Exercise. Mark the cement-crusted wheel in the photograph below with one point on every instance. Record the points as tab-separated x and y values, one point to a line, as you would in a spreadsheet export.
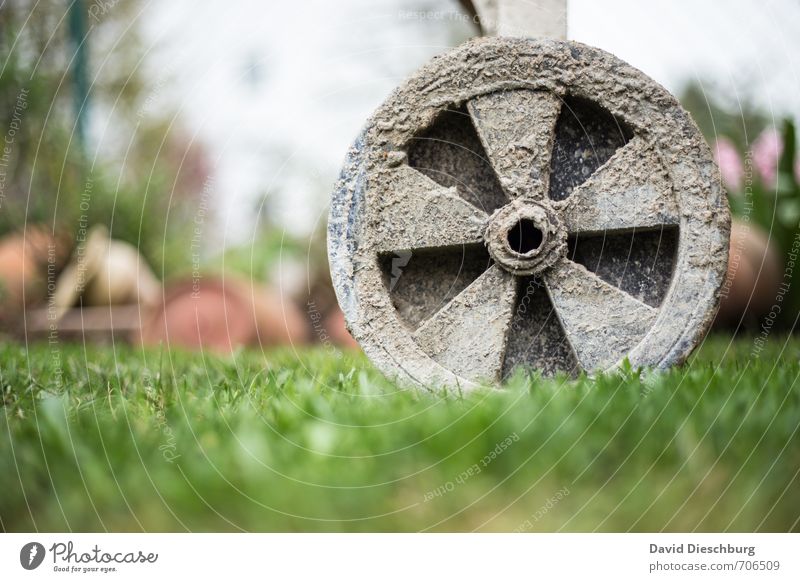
527	203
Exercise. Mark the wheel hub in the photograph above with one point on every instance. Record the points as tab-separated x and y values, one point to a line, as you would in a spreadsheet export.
526	237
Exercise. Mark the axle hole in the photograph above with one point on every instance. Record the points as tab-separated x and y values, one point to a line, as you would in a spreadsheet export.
524	237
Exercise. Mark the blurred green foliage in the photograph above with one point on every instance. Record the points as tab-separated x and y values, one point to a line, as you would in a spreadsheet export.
139	189
742	125
772	203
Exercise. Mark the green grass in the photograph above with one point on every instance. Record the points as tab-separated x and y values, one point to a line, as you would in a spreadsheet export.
120	439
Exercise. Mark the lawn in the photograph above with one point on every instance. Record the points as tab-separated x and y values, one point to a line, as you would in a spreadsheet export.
116	438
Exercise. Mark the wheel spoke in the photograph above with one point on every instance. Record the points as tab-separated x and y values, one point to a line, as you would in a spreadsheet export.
419	213
629	192
602	322
469	334
517	129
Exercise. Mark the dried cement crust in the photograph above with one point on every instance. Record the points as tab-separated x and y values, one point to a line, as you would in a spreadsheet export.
386	209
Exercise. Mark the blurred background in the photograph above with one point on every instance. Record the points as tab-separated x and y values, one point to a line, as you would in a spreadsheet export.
165	167
165	173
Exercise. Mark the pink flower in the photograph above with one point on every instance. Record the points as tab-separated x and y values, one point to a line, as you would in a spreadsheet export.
767	150
730	164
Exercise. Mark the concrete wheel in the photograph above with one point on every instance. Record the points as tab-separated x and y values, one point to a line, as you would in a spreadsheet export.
527	203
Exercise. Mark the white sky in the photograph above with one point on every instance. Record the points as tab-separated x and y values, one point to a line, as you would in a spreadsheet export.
279	89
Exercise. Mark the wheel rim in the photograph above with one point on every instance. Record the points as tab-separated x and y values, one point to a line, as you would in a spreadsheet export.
438	266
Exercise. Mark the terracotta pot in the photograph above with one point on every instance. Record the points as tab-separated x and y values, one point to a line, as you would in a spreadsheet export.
222	314
337	330
104	271
25	258
754	274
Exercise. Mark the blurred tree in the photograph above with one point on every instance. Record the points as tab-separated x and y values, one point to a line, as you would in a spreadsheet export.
136	174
